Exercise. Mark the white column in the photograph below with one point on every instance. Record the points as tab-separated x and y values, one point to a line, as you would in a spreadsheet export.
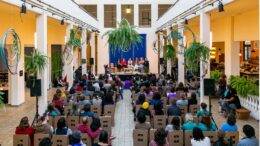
41	31
161	52
84	51
169	61
154	16
118	12
181	70
232	50
136	14
205	39
69	67
92	44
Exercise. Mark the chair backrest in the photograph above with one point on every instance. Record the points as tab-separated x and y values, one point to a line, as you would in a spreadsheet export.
234	136
151	134
106	123
86	139
51	120
194	108
175	138
188	137
159	122
109	110
196	120
171	117
96	109
38	137
212	135
73	122
140	137
60	140
21	140
67	109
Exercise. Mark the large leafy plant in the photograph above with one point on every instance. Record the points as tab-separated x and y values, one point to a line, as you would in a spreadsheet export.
215	75
74	40
123	38
243	86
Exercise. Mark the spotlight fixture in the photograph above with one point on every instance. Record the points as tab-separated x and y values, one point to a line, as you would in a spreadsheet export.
62	21
128	10
23	8
186	21
220	7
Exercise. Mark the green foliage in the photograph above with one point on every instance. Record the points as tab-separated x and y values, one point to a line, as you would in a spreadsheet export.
194	54
243	86
123	37
170	52
74	40
2	104
35	63
215	75
56	65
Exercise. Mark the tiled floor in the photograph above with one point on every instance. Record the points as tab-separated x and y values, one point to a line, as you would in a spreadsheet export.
123	119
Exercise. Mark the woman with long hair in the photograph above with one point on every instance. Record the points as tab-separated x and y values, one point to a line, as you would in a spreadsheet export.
198	138
159	138
94	130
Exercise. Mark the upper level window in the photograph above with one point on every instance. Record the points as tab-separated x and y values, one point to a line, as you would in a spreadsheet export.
109	16
127	11
91	9
145	15
162	9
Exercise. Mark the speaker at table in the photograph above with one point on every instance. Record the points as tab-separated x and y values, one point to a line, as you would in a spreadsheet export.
209	87
36	89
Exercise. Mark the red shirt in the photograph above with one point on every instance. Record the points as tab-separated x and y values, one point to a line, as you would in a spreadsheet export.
27	131
123	62
93	134
83	128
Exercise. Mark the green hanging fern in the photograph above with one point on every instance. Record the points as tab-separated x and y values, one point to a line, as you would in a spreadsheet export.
2	104
74	40
194	54
170	52
124	37
215	75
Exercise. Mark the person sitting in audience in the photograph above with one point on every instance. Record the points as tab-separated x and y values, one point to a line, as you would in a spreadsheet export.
181	88
189	124
25	128
206	124
103	139
83	101
156	99
171	95
159	138
58	102
142	124
86	111
148	91
174	110
193	99
174	125
74	110
203	110
75	139
46	141
43	126
221	139
86	92
140	100
52	111
158	109
80	87
145	109
84	126
182	102
107	100
198	138
230	125
249	139
94	130
62	129
97	100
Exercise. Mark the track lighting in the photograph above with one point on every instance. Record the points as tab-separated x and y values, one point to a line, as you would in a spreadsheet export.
62	22
186	21
220	7
23	8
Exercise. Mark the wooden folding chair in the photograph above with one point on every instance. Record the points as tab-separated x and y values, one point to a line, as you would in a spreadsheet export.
151	134
73	122
51	121
86	139
171	117
188	137
140	137
106	123
96	109
38	137
184	110
109	110
21	140
60	140
196	120
55	121
159	122
175	138
212	135
194	109
234	136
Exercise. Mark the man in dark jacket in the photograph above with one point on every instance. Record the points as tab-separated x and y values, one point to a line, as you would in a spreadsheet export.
174	110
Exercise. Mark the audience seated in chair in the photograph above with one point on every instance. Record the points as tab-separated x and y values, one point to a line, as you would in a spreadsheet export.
156	99
142	124
193	99
203	110
249	139
158	109
230	125
171	95
206	124
86	111
43	127
198	138
52	111
174	125
221	139
94	130
83	128
174	110
145	109
62	129
189	124
160	136
103	139
45	142
25	128
183	101
83	101
75	139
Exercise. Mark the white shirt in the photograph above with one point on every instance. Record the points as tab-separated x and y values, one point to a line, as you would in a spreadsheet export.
204	142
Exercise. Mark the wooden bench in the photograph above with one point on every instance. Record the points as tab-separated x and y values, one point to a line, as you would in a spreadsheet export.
243	113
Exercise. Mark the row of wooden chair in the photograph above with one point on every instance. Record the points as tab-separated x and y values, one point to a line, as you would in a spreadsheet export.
178	138
57	140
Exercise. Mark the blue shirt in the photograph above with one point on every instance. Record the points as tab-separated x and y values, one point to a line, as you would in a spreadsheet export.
88	114
227	128
203	127
248	142
202	112
188	126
